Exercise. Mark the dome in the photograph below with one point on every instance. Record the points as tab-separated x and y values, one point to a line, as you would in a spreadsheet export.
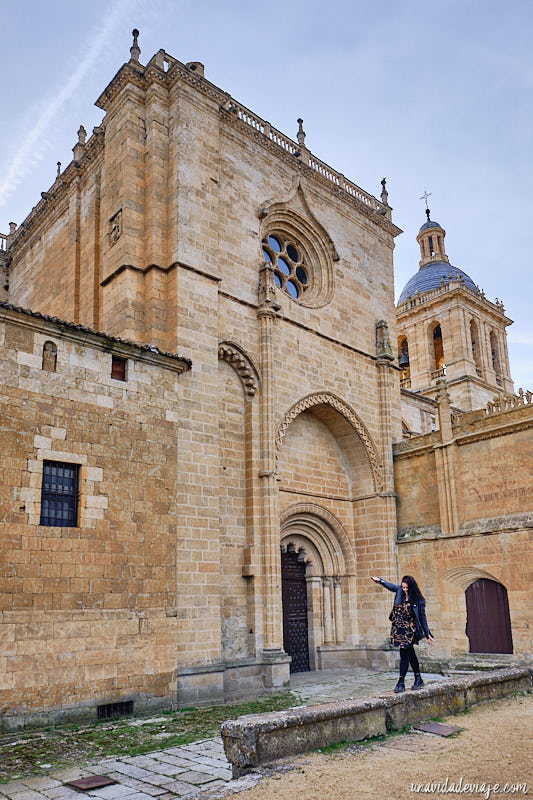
430	224
430	276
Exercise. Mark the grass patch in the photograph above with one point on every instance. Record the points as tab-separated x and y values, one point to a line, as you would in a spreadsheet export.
37	753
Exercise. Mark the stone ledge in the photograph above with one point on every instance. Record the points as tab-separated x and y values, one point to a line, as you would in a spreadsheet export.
259	738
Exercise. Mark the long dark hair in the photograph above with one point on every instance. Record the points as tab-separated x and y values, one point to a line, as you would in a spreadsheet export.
413	592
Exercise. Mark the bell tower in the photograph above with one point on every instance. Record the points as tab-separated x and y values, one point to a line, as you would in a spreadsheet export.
447	328
431	240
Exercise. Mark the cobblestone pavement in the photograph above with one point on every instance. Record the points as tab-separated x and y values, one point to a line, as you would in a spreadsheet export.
198	770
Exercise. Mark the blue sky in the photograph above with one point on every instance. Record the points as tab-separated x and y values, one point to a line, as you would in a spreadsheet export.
429	94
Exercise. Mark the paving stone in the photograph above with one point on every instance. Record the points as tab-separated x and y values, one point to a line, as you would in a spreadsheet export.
179	761
140	786
159	767
138	761
70	774
130	769
180	789
61	793
29	794
212	762
39	782
160	780
197	778
140	796
216	772
10	788
112	792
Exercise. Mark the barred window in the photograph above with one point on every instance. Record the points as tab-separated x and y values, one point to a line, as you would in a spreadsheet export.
59	495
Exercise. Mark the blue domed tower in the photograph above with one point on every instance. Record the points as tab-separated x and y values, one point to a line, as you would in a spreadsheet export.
447	328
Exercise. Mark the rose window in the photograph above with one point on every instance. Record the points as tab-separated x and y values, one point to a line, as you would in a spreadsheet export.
287	258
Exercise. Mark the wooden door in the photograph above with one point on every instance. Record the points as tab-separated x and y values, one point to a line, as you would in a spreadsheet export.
488	623
294	598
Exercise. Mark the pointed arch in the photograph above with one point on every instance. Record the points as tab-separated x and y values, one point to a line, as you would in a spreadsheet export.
329	399
243	365
463	577
324	531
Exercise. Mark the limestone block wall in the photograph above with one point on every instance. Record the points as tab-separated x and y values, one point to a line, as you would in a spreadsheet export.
419	414
465	512
168	204
87	613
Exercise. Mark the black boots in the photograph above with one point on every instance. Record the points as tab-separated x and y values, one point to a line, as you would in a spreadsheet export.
418	681
400	686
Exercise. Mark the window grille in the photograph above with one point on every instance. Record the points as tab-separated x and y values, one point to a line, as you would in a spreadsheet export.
59	495
111	710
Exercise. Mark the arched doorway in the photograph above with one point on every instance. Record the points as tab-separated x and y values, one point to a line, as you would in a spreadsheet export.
317	567
488	622
294	600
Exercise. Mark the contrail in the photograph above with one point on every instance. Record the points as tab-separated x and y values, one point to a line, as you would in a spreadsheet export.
26	156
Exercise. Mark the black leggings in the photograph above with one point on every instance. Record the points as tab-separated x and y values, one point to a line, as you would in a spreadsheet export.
408	656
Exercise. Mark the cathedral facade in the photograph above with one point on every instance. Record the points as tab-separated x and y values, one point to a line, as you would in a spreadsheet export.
200	398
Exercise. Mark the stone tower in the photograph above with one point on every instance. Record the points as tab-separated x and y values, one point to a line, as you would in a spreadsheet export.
448	328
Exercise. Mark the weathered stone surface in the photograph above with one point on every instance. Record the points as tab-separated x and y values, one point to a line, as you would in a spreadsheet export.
259	738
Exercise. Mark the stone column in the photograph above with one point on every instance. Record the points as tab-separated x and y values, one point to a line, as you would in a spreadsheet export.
386	382
266	314
445	464
328	626
339	622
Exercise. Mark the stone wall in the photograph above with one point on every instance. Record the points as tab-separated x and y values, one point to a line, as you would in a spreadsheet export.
465	512
87	613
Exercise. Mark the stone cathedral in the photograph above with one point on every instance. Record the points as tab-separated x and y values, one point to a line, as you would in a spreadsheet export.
216	424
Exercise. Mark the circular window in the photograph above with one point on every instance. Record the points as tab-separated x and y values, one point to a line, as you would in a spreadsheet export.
290	271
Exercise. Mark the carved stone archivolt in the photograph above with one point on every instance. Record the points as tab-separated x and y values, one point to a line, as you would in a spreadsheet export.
325	535
242	364
326	398
463	577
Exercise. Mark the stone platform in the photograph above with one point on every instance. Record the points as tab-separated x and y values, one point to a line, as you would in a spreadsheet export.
260	738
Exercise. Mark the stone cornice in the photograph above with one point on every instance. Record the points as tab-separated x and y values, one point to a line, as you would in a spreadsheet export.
75	332
59	190
145	270
417	396
178	72
142	77
308	172
421	445
494	431
480	527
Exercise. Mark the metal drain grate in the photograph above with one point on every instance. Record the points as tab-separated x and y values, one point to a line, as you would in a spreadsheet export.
91	782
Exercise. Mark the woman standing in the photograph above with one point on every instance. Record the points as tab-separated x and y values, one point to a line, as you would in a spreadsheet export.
409	625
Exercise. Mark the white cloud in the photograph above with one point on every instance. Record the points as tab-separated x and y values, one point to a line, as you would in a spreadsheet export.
34	146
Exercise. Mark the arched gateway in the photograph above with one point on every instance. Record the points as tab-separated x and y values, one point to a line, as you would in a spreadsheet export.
330	481
317	567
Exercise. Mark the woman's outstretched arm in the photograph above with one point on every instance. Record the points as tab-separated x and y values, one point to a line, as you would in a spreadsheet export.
393	587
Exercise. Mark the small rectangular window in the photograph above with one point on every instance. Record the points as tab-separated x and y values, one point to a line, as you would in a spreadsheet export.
118	368
111	710
59	494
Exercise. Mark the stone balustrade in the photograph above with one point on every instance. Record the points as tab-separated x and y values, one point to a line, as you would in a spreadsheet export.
339	180
417	298
508	402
